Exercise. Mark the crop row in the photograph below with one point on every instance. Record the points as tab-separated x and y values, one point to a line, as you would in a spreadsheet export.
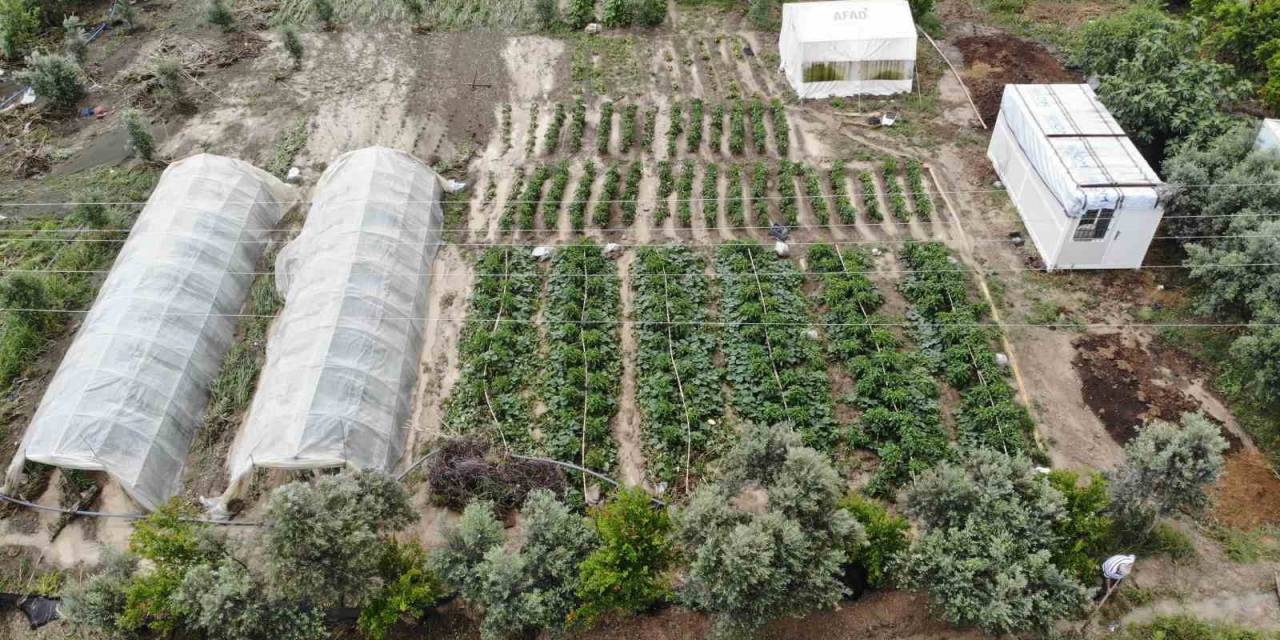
692	125
901	420
583	367
498	352
951	331
678	384
773	360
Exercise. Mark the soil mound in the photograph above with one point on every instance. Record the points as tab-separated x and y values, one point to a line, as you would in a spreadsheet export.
996	60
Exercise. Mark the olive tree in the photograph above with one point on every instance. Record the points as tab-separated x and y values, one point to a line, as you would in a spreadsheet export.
322	540
55	78
533	587
1166	469
985	552
769	539
224	600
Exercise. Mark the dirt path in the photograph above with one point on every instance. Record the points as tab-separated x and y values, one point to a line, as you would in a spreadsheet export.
626	424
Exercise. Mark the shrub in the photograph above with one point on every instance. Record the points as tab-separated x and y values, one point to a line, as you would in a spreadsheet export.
1167	469
760	13
649	13
628	571
292	44
99	602
547	12
225	601
174	545
218	15
27	297
141	143
465	470
988	528
409	589
55	78
317	545
783	556
19	21
532	588
886	538
1086	531
168	71
324	12
616	13
74	41
1184	627
580	13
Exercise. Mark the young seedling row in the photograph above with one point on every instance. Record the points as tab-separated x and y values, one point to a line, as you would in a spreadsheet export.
775	192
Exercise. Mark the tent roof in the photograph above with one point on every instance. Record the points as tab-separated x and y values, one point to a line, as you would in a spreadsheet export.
846	20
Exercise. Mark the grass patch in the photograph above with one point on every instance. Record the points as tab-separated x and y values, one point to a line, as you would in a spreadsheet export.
1168	540
1189	628
461	15
1248	547
286	148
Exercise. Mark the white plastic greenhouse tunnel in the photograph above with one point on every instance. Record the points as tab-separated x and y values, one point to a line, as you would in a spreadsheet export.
848	48
342	358
129	394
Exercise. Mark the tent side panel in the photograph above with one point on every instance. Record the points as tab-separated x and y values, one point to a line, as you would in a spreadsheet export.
128	396
342	362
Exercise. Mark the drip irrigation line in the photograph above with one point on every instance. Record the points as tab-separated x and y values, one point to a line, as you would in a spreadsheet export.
532	274
836	225
722	323
71	203
986	240
126	516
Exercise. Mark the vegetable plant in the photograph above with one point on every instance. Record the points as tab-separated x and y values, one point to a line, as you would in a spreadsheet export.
608	194
605	128
693	139
787	205
711	195
631	192
684	193
627	131
840	189
665	187
919	193
715	132
817	199
781	132
578	206
758	131
760	192
733	196
869	199
673	131
897	201
578	126
737	128
551	140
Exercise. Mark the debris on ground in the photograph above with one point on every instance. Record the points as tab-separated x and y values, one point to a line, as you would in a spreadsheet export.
1123	387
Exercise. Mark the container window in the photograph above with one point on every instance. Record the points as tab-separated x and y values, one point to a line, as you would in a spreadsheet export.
1093	225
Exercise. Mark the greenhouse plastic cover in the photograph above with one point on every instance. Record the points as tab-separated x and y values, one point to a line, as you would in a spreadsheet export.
130	392
1077	148
343	357
848	30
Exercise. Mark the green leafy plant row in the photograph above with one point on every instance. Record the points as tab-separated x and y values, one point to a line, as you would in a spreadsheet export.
498	360
897	201
953	335
733	196
531	197
676	127
869	200
840	188
551	140
817	199
758	131
898	397
678	384
781	132
608	194
508	218
693	139
581	194
605	129
787	205
760	192
774	363
631	192
555	193
684	193
919	193
737	128
715	131
582	367
711	195
627	131
578	126
666	184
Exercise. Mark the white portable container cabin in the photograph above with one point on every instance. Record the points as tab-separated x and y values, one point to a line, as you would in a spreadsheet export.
848	48
1085	194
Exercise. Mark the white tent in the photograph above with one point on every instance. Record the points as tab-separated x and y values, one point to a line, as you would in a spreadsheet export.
846	48
1085	194
129	394
1268	136
343	357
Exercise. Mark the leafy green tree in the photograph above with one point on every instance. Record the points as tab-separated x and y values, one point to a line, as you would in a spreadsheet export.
19	21
580	13
628	572
1256	355
1194	205
985	551
1246	34
55	78
616	14
1086	531
217	14
1166	469
532	588
1153	79
886	538
649	13
409	589
141	142
320	535
224	600
769	538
